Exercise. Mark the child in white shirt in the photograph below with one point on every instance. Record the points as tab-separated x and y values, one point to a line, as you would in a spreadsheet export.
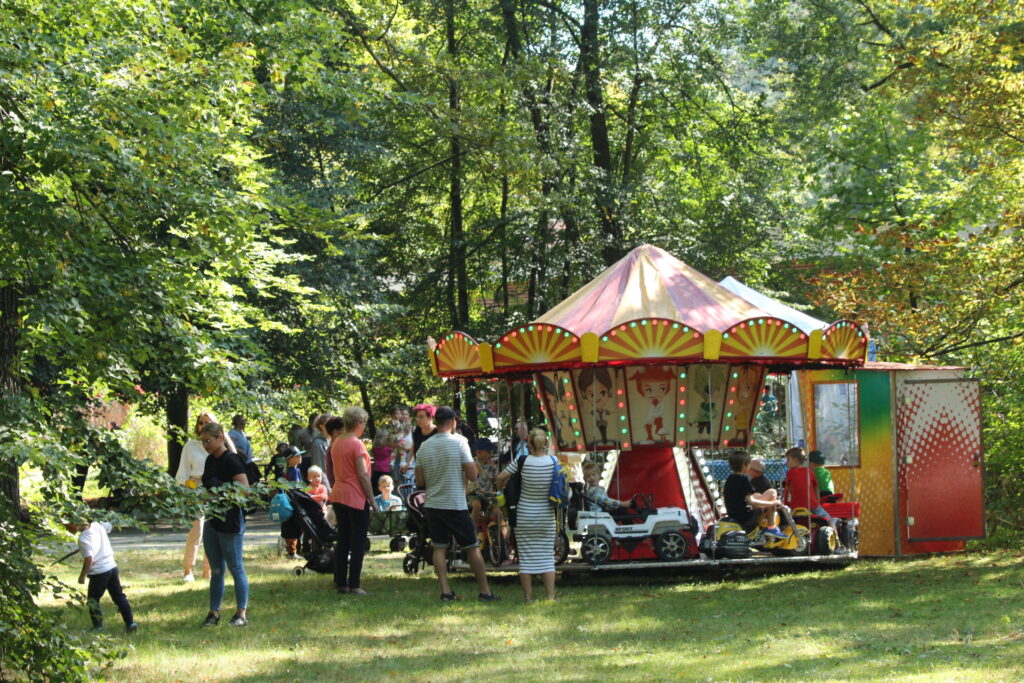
99	565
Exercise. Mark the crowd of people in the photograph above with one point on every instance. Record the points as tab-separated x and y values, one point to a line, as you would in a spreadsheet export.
350	478
425	446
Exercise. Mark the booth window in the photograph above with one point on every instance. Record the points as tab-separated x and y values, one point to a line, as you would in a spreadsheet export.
835	422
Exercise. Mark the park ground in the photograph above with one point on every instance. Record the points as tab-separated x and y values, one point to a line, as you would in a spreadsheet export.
958	617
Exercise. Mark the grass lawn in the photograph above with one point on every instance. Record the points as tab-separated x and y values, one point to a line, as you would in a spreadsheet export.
945	618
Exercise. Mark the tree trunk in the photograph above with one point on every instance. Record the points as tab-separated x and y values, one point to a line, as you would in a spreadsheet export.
535	103
10	386
177	423
458	240
607	210
364	390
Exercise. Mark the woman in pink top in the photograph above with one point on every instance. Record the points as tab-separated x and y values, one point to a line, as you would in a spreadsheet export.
352	499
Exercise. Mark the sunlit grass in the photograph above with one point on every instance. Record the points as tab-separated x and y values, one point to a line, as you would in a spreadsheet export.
938	619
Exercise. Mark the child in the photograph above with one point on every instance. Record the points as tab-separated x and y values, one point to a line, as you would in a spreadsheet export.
802	485
742	503
487	471
293	471
317	490
381	454
760	482
387	501
99	565
290	530
821	473
404	462
597	497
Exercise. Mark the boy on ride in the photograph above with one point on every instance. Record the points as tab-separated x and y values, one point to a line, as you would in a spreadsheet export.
821	473
742	503
801	487
596	497
478	492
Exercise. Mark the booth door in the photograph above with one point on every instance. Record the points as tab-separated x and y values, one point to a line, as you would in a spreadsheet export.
940	459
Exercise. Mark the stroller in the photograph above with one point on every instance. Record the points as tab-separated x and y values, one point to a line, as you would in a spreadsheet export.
391	523
316	544
415	522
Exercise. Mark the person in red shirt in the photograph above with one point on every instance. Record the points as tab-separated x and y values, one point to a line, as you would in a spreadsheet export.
801	484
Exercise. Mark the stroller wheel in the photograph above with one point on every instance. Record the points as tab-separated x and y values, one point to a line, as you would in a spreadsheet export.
397	544
299	571
411	564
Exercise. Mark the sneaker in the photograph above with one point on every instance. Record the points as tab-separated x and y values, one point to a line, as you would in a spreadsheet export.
293	556
489	597
238	620
773	532
188	578
212	619
357	591
449	597
131	628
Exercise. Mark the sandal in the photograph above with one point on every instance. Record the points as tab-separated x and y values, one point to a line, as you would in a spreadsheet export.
449	597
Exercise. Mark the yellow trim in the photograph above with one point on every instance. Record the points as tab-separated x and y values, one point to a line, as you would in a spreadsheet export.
486	357
433	360
589	347
712	344
814	343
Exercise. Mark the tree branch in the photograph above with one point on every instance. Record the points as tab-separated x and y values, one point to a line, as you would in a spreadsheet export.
882	81
972	345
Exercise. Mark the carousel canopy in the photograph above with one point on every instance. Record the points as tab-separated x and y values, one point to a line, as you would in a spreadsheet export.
648	308
773	307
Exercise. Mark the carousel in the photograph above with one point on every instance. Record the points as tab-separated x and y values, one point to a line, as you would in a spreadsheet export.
645	370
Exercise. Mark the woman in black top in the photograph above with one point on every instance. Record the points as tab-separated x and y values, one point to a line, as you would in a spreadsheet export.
222	537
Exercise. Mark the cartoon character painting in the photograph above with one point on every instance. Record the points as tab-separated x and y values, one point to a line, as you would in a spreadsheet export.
653	385
596	386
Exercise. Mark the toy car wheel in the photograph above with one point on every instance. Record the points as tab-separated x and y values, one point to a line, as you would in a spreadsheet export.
670	546
397	544
410	565
414	541
849	536
825	541
561	548
597	548
299	571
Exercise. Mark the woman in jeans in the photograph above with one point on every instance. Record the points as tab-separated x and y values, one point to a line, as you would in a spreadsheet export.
222	538
352	499
190	469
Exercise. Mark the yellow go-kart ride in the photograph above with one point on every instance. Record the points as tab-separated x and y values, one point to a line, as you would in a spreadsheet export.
726	537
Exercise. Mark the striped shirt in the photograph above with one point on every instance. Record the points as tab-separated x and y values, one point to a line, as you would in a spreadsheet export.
440	458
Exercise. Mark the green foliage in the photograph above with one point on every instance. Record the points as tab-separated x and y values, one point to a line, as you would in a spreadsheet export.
34	645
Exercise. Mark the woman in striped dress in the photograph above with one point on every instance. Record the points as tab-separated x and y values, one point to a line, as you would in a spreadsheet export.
535	516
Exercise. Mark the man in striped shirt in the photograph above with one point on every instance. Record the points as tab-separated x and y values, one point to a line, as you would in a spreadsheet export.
442	463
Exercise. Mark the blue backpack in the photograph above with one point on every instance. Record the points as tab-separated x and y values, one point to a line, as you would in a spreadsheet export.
558	492
281	509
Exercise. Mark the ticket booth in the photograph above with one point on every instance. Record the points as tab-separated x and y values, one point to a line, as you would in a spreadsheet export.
905	441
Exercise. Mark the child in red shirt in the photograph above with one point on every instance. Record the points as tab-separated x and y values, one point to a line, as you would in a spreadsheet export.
317	490
801	484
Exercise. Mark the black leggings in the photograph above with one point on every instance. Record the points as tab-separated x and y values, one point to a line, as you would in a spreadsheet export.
353	525
107	582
